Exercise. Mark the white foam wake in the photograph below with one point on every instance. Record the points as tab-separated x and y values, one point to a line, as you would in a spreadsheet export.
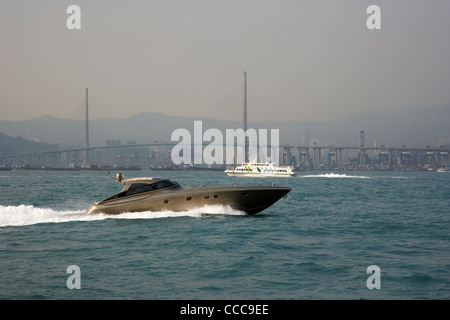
334	175
25	215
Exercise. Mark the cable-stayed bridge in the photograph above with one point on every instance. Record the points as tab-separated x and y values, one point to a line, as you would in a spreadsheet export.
302	157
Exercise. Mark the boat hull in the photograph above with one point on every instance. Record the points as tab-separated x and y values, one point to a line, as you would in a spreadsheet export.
261	169
250	200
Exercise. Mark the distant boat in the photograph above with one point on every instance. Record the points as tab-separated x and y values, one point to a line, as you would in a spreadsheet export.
3	168
108	168
261	169
185	168
202	168
441	170
164	168
61	169
28	167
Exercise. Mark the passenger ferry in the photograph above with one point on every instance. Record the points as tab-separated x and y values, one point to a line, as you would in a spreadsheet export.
261	169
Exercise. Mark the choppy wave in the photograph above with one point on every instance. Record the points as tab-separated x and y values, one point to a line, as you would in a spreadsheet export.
25	215
347	176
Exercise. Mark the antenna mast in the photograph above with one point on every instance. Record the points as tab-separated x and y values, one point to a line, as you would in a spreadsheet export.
245	101
86	137
245	119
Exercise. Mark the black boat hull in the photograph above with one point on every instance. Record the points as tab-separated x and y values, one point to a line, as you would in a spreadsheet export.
248	199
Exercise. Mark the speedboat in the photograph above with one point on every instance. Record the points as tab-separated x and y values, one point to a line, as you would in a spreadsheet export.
156	194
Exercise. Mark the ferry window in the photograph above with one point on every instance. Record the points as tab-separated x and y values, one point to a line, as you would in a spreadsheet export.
166	201
216	196
189	198
206	197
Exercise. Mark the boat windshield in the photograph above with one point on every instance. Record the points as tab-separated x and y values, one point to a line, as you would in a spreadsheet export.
140	187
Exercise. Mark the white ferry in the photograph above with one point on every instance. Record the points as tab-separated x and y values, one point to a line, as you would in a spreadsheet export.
261	169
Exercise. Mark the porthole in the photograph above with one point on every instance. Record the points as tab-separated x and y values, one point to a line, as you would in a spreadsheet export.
216	196
206	197
244	194
189	198
166	201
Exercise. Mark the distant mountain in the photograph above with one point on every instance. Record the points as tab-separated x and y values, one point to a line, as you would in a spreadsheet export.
45	129
412	126
17	145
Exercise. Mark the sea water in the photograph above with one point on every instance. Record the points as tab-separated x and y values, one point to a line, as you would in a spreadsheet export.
318	243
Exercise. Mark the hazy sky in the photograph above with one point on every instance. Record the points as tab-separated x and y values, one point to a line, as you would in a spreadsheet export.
305	60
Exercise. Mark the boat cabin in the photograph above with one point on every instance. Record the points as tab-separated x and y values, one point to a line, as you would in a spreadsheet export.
141	185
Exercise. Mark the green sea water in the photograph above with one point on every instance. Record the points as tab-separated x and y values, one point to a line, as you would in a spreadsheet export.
316	244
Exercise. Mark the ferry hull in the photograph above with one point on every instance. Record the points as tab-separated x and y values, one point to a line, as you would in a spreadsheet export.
247	174
260	169
250	200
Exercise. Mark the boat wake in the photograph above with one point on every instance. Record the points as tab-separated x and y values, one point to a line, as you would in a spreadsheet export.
25	215
334	175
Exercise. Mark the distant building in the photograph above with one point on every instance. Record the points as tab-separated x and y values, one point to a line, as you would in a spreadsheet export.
444	142
306	137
